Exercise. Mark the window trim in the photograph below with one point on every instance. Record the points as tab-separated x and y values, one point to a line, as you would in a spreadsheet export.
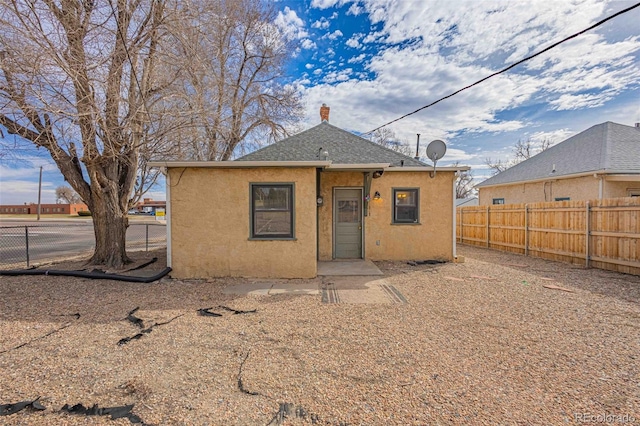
493	201
394	221
291	210
633	192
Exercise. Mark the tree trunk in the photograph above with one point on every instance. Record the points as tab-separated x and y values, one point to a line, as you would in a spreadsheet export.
110	231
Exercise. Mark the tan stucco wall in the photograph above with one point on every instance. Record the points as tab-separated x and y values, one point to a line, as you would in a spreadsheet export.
210	224
431	239
615	189
582	188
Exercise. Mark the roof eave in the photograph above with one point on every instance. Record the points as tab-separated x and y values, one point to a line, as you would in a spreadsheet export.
357	167
548	178
237	164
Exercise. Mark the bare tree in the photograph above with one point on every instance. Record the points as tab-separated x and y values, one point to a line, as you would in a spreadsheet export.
388	138
67	195
464	184
522	150
229	64
77	79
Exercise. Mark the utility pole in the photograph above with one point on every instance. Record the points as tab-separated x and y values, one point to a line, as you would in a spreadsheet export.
39	192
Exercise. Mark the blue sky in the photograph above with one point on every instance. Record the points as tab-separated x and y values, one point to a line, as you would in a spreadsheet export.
372	61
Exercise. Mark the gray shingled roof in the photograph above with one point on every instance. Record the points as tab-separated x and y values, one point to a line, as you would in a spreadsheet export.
608	146
343	148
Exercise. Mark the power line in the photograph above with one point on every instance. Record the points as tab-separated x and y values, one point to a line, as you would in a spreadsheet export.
597	24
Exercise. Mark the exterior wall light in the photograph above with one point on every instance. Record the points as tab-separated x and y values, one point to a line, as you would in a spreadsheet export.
376	196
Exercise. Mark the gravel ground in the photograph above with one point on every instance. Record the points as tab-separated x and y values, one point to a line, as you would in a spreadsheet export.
481	342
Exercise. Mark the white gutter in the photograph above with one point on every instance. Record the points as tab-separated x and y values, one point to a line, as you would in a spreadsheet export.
600	186
546	179
328	165
455	253
427	169
237	164
360	166
169	217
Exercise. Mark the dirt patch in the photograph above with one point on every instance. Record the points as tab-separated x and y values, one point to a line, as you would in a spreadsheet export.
493	346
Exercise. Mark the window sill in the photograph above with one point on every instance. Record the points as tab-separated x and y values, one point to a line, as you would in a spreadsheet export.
273	239
407	223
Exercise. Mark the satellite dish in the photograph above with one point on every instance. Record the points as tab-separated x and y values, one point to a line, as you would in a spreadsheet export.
436	151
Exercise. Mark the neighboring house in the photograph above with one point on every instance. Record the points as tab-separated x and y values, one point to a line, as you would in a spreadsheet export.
32	208
466	202
320	195
601	162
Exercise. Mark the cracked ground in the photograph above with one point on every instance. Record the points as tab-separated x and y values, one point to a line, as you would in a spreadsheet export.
483	342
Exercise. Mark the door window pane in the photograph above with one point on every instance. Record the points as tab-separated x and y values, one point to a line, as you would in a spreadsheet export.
348	211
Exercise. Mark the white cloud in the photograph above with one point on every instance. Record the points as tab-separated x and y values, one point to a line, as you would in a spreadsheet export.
357	59
308	44
322	23
553	136
336	76
433	51
355	9
317	72
454	154
572	102
354	40
326	4
309	66
334	35
377	36
290	24
24	191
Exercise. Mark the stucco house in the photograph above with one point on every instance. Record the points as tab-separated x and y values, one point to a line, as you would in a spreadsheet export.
321	195
600	162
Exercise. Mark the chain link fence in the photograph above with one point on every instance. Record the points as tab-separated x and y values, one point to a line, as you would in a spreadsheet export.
23	246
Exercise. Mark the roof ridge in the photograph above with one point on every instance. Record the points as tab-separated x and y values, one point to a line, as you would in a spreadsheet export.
377	145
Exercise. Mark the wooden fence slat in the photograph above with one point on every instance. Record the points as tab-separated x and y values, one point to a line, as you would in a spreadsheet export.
599	233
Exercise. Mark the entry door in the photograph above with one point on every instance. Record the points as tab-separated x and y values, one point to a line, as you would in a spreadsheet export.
347	214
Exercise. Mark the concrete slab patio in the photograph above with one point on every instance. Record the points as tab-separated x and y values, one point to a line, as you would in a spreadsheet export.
360	290
358	267
269	288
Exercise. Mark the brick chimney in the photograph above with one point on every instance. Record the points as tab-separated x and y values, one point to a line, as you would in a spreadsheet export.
324	113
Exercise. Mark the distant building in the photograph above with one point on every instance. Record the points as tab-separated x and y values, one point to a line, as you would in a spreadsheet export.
149	206
600	162
465	202
32	208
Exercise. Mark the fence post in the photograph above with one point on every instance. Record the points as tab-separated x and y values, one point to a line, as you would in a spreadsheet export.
526	229
461	225
26	242
488	210
587	232
147	238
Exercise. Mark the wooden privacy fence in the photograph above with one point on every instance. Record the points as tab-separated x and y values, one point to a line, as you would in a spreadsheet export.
602	234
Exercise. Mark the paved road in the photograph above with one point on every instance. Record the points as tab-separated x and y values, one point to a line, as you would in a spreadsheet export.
52	239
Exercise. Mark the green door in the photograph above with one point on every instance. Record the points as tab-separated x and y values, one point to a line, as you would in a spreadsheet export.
347	214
